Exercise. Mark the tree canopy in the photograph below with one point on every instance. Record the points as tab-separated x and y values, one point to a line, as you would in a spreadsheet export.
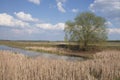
86	28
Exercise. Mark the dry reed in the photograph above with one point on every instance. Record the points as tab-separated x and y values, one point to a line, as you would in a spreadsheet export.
104	66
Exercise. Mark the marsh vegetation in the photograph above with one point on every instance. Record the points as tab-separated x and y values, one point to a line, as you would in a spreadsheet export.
85	37
62	48
104	66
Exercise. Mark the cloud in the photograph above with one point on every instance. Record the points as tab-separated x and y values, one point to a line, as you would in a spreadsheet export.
25	17
108	23
35	1
60	5
10	21
75	10
48	26
109	8
114	30
12	26
61	0
24	31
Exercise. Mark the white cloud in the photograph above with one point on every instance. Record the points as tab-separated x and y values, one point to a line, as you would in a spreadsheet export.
12	27
25	31
108	23
25	17
109	8
19	27
60	26
39	28
60	5
8	20
17	31
35	1
48	26
61	0
114	30
75	10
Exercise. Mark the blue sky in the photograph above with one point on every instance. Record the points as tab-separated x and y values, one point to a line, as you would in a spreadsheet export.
45	19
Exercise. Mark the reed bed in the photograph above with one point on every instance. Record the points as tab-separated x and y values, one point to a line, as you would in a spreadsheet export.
48	49
104	66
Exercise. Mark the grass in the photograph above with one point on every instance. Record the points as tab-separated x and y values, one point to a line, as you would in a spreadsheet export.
60	48
104	66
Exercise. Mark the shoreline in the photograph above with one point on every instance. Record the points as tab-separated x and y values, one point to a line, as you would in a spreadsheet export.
61	51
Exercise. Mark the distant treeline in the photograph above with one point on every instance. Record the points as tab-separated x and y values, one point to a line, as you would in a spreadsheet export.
50	41
113	41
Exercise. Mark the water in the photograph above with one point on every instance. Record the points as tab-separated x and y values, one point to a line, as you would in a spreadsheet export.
36	54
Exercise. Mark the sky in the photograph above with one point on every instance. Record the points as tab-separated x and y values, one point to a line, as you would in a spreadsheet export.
45	19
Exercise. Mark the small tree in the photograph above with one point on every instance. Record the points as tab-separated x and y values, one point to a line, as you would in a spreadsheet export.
86	28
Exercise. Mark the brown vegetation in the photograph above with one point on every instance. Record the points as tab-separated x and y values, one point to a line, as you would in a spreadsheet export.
104	66
48	49
62	51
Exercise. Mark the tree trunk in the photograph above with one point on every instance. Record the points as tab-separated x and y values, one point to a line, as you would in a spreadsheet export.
85	45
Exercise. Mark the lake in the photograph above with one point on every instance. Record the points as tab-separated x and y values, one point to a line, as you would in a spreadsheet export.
36	54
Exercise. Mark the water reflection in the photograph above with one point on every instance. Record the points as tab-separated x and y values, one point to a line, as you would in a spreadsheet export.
35	54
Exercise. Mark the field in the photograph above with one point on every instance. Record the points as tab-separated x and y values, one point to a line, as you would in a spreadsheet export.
61	48
99	65
104	66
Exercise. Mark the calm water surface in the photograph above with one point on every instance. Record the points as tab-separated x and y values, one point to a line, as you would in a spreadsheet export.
35	54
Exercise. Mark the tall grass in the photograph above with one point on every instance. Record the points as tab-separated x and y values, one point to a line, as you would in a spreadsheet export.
104	66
